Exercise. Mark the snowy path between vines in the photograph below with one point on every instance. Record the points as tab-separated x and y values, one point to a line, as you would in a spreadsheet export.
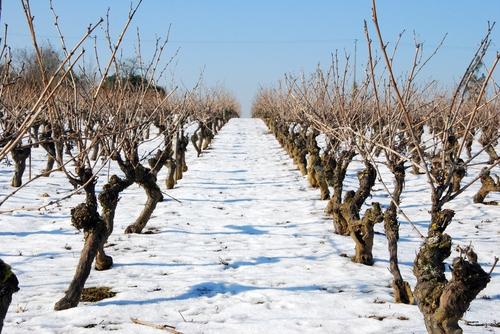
248	250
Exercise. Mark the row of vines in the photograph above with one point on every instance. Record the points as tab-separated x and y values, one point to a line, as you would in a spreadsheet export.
396	123
86	118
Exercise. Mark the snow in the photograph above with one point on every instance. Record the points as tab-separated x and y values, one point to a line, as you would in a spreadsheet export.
248	250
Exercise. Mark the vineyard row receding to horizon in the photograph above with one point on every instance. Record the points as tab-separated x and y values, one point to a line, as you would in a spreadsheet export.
325	119
85	120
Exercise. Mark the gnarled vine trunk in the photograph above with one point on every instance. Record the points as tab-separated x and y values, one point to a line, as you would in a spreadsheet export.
146	179
19	155
315	172
401	288
94	238
489	140
108	199
335	207
8	286
180	155
443	302
206	135
172	167
488	184
194	141
457	176
84	216
339	169
361	231
49	146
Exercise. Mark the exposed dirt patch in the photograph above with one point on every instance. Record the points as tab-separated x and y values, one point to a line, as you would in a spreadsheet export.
96	294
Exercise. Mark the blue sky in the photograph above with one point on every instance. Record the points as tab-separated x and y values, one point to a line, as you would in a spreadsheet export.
247	44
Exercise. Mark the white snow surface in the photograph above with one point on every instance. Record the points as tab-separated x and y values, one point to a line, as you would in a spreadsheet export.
248	250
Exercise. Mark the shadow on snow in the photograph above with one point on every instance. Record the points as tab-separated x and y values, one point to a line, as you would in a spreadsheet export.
210	290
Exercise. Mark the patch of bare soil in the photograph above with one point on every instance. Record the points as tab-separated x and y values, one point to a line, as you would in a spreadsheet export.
96	294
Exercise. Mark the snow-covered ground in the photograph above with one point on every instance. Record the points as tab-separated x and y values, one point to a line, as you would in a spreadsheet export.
248	250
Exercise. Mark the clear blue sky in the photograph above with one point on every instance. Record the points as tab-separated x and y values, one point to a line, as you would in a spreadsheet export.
245	44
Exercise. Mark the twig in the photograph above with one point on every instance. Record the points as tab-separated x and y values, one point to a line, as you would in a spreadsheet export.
172	197
182	316
167	328
494	265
